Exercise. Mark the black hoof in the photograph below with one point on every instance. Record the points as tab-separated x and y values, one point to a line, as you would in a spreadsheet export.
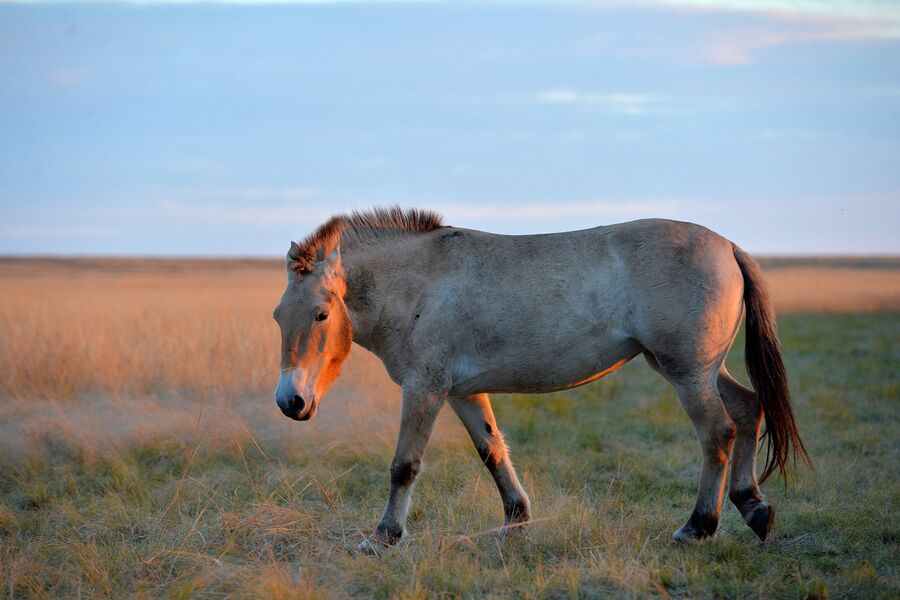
515	530
699	526
761	520
384	537
372	546
758	515
516	511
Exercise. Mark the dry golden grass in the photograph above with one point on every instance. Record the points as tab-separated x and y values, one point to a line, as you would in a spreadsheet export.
834	286
142	454
136	327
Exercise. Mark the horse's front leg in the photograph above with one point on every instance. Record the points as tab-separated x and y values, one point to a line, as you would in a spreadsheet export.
476	414
420	409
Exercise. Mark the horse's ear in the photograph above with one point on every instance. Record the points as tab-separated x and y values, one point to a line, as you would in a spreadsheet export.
333	260
297	261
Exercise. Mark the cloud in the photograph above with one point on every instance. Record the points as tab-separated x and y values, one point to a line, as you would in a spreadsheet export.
619	103
860	9
884	11
762	24
787	22
855	9
223	2
737	45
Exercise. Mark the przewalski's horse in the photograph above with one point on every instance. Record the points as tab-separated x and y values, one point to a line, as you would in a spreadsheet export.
455	314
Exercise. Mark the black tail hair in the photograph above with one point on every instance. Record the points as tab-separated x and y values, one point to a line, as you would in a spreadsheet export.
767	374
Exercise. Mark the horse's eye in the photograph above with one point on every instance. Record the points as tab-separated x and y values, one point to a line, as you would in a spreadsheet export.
321	317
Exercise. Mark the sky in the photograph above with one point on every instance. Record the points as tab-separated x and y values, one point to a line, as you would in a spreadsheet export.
230	128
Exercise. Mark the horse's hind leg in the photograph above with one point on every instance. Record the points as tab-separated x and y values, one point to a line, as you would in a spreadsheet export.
476	414
700	398
716	432
745	410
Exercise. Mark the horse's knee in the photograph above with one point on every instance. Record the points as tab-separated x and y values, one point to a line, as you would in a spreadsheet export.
403	472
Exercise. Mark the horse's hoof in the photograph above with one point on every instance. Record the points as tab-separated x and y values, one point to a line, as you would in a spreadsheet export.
761	520
380	540
513	530
696	529
372	546
685	535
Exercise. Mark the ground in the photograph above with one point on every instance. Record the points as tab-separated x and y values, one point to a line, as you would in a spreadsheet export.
141	453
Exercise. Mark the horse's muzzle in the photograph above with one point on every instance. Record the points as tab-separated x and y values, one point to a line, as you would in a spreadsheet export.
291	403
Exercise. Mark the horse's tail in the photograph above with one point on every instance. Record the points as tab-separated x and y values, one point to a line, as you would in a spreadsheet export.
767	374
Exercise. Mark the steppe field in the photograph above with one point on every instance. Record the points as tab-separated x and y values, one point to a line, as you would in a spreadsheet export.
142	455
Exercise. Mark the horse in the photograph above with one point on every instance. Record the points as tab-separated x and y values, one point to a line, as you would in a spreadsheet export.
456	314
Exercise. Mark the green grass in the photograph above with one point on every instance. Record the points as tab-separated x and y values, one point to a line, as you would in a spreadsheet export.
611	469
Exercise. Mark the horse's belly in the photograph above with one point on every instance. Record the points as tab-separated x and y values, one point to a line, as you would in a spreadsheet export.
540	373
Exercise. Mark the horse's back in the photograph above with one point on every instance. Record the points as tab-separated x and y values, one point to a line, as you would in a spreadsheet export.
635	249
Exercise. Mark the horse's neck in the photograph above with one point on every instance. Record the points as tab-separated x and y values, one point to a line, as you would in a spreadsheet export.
380	297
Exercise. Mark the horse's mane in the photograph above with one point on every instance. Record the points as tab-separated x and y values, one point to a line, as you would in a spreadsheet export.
365	224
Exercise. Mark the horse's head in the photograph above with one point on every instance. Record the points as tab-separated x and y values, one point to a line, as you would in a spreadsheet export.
316	331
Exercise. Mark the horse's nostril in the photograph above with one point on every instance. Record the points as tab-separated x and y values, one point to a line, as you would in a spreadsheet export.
298	403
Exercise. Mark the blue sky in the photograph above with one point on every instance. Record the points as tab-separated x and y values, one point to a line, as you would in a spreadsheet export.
176	128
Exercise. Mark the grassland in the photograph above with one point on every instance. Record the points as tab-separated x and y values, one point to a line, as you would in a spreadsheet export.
141	454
